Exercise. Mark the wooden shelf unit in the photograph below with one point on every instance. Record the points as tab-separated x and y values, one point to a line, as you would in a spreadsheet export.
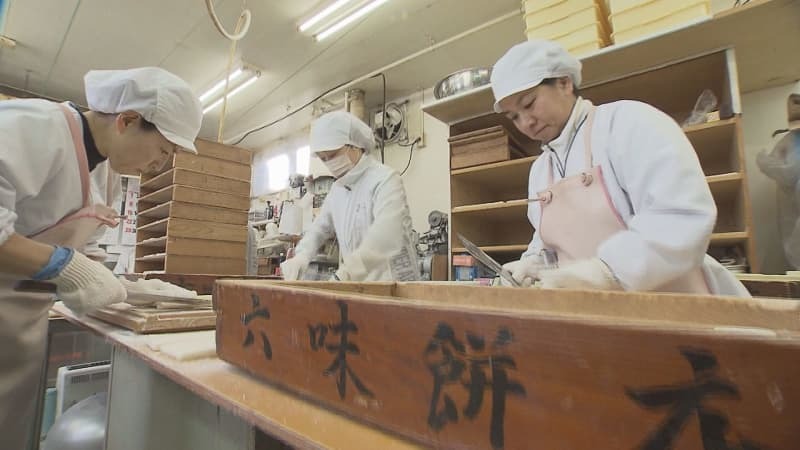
193	216
761	54
489	204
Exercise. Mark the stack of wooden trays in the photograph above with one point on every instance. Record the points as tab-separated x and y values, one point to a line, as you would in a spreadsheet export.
193	216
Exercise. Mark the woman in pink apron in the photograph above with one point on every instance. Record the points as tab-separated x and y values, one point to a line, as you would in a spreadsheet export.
618	195
48	214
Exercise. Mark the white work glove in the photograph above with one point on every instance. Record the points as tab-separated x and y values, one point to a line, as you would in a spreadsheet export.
524	271
85	285
293	268
585	274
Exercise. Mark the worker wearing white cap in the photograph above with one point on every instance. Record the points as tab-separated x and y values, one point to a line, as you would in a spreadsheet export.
51	154
619	194
366	208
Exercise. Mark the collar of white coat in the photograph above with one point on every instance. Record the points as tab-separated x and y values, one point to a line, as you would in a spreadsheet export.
579	112
358	171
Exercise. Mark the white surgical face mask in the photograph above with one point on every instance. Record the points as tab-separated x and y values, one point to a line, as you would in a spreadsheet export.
339	165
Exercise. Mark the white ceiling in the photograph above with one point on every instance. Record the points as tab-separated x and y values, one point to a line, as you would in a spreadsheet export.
59	40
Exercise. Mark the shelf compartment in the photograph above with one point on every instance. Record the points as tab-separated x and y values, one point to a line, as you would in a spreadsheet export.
492	224
504	181
716	144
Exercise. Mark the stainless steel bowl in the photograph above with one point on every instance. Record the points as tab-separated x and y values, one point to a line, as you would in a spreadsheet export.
461	81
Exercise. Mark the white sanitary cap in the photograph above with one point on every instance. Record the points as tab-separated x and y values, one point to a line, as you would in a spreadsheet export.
160	97
334	130
527	64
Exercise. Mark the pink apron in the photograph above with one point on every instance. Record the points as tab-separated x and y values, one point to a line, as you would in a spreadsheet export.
24	315
578	215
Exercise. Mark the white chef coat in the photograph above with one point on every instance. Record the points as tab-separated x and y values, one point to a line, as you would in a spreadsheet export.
367	211
39	178
657	185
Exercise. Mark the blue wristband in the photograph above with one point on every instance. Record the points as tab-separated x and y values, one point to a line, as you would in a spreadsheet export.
60	257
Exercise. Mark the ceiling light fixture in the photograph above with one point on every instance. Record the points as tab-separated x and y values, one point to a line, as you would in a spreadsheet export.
333	7
235	91
361	12
220	84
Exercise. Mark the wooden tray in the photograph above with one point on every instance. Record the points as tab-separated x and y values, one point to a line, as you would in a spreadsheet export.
491	368
151	320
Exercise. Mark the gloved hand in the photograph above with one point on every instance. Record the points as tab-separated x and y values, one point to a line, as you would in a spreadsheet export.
293	268
84	285
585	274
524	271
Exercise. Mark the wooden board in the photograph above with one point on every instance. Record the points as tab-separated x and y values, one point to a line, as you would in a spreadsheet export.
196	179
212	166
225	152
202	284
195	195
206	230
200	264
149	320
481	368
191	211
192	229
195	247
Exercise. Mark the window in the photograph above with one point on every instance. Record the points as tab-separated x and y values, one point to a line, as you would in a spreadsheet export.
303	160
278	172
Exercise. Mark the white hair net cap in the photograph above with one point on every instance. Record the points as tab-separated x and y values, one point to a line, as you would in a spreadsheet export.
527	64
334	130
160	97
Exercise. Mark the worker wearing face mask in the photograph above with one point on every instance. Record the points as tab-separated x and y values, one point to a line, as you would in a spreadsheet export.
366	208
619	194
59	169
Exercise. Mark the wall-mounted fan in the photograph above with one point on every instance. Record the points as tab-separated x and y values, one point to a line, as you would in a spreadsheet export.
391	127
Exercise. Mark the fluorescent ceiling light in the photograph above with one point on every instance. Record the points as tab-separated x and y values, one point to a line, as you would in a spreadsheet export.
238	89
220	84
333	7
349	19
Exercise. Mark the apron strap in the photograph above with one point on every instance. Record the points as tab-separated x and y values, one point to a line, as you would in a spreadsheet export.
587	140
109	186
80	152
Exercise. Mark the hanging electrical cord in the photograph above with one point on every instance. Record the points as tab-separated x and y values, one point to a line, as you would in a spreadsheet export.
383	117
231	54
242	27
311	102
410	153
290	114
239	34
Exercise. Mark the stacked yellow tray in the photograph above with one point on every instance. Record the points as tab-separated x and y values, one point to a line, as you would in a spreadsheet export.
581	26
633	19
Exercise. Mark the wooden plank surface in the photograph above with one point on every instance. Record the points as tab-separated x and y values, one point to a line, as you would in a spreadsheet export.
202	284
192	247
151	320
204	197
204	213
212	183
481	368
225	152
207	265
196	229
212	166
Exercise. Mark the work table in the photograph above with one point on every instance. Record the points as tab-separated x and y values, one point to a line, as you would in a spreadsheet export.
238	400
